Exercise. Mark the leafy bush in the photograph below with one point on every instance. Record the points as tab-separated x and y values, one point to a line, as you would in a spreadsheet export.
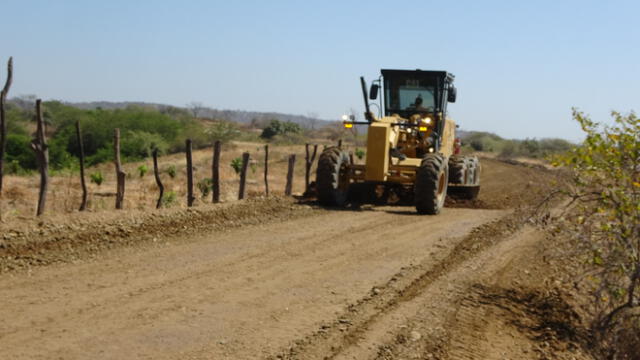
14	168
19	151
277	127
223	131
97	178
171	170
142	170
360	153
191	129
102	155
605	188
509	149
533	148
205	186
136	145
236	164
168	198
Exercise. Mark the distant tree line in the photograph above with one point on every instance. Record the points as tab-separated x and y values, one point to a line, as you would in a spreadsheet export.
533	148
143	129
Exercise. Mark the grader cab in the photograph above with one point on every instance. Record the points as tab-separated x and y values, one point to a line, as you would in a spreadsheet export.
412	152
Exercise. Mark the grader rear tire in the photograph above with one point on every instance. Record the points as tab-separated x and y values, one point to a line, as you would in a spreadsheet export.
471	193
430	188
458	170
464	176
332	182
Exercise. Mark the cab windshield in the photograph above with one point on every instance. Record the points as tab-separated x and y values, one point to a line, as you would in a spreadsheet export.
409	95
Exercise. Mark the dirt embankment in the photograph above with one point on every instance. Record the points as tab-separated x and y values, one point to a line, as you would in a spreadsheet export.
269	278
67	238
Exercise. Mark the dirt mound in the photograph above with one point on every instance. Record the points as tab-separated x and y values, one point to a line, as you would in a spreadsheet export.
54	239
507	184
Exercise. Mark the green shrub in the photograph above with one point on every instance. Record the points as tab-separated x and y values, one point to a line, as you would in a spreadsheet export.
236	164
142	170
205	186
168	198
191	129
533	148
14	168
277	127
223	131
19	150
171	170
477	144
360	153
97	178
102	155
138	145
604	223
509	149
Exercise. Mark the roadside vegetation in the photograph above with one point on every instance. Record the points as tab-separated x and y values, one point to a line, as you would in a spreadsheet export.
143	129
603	226
508	148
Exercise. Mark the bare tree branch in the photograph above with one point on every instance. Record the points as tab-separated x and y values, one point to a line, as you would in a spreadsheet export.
3	121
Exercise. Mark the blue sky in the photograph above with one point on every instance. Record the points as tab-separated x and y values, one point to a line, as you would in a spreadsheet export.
520	66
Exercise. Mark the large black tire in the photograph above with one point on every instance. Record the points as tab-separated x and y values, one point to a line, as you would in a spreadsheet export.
475	170
458	170
332	182
464	177
430	188
474	178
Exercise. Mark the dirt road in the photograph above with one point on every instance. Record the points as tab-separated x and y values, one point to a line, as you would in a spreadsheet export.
338	284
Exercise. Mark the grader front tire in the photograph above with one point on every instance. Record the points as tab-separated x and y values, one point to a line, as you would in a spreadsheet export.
331	177
430	188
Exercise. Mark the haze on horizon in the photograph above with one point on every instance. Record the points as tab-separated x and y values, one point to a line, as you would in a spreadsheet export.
520	67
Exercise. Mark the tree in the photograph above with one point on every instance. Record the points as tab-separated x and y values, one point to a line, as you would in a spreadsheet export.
277	127
605	226
313	119
223	131
3	120
196	108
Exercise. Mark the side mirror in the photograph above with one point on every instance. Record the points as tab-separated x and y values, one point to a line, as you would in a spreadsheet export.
453	93
373	92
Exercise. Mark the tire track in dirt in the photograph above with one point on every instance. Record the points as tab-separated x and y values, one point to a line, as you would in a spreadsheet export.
334	340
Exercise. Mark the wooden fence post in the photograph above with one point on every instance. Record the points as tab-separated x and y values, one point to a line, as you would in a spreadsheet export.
215	172
243	175
266	169
190	197
120	174
39	145
156	173
289	186
83	205
308	163
3	121
340	144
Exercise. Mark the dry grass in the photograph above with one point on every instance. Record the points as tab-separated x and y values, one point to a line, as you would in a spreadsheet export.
64	196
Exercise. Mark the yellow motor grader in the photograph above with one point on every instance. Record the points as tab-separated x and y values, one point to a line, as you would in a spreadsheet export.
412	152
